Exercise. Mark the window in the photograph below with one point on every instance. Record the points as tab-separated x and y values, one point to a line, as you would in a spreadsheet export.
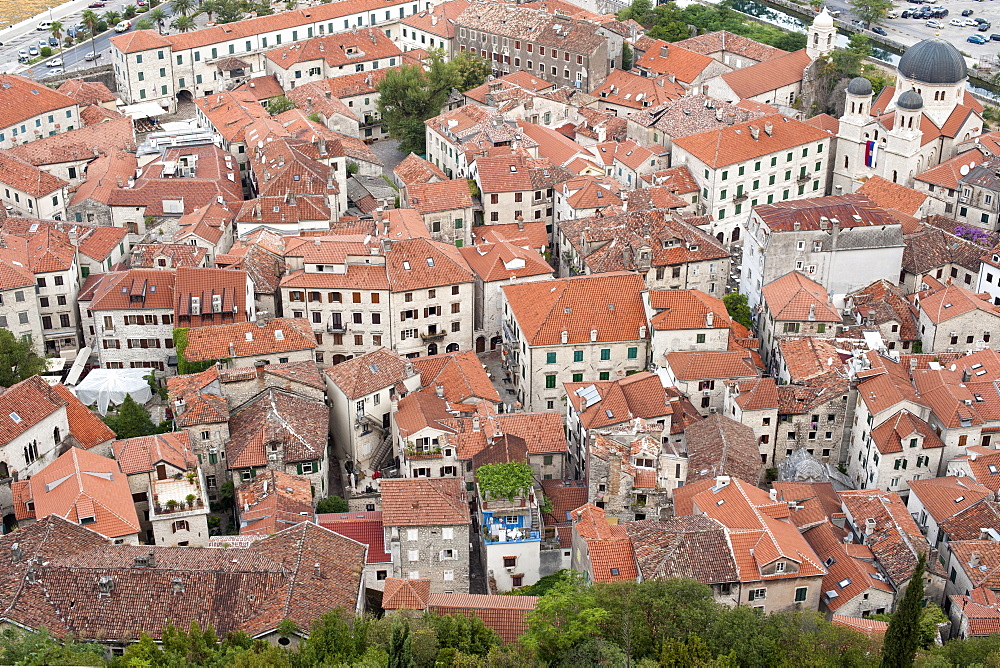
180	525
701	338
801	593
577	377
509	562
550	358
577	355
633	353
605	354
413	555
411	534
448	533
550	381
757	594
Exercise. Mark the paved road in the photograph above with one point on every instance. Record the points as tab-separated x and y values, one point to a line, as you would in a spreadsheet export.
910	31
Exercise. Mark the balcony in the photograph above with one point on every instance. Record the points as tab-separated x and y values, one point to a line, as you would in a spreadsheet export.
178	496
802	178
525	530
740	198
336	328
432	336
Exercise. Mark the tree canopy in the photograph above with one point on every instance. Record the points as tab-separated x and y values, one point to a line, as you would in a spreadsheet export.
739	310
332	504
505	481
133	420
18	359
410	95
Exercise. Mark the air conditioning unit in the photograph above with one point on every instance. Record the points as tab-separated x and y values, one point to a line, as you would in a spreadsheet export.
272	456
713	410
706	393
511	569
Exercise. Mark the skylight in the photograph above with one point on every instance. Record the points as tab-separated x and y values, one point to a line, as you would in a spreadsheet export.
279	335
843	583
430	262
16	418
406	265
960	499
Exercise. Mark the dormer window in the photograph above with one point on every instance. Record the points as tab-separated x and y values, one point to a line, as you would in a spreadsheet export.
779	567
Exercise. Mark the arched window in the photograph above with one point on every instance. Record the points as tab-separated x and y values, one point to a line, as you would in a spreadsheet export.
894	176
56	436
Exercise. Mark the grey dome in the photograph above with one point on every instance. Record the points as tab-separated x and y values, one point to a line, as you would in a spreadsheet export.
933	61
910	100
859	86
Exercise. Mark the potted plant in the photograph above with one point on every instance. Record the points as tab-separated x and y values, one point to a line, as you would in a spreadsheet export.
178	476
190	477
171	505
190	499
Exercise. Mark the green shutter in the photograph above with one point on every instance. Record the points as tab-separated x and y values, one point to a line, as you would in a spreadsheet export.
299	467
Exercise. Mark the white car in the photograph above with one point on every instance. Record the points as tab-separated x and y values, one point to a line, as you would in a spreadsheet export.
956	22
969	23
123	26
934	24
55	62
55	71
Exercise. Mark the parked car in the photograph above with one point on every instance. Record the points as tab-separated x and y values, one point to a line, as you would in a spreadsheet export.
957	22
44	26
976	39
966	12
55	62
32	50
22	55
983	27
970	23
879	30
906	14
934	24
979	19
92	56
55	72
53	41
995	37
96	5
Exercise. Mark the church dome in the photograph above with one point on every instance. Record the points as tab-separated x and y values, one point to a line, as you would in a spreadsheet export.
933	61
859	86
823	20
910	100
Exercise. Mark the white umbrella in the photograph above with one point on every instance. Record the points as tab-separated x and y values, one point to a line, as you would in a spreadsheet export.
107	386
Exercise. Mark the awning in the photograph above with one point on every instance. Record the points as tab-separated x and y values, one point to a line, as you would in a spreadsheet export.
143	110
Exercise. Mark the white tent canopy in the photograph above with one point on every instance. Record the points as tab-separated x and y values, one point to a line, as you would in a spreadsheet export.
143	110
111	386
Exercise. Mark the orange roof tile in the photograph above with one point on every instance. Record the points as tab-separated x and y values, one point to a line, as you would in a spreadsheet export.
139	40
376	370
423	502
640	395
948	496
796	297
143	453
504	260
413	264
245	339
718	446
889	195
775	73
507	615
85	427
273	501
713	364
406	594
735	143
460	376
439	196
670	59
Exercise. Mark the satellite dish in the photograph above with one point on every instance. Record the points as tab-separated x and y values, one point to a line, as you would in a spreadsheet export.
964	170
972	164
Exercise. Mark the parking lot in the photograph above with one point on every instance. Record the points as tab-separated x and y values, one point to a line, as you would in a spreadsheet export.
910	31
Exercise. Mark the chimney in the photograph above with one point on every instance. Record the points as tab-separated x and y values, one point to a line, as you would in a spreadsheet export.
151	561
812	312
177	585
768	129
520	223
721	481
317	571
16	553
309	104
232	349
974	560
663	51
593	335
869	527
439	391
564	338
773	494
475	423
824	223
259	367
642	331
755	132
709	319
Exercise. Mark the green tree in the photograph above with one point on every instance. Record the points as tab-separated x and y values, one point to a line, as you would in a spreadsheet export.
410	95
640	11
56	30
902	638
229	11
332	504
279	105
565	617
401	645
871	11
111	17
209	7
334	639
144	24
182	7
157	16
627	56
505	481
183	23
18	359
38	648
463	633
132	420
91	21
129	12
738	309
930	616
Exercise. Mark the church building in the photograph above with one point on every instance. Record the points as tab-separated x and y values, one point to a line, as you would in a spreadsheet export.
909	127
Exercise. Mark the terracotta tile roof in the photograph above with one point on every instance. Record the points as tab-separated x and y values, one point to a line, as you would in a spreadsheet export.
413	264
882	303
981	609
261	88
95	114
505	261
969	523
517	82
579	305
525	235
23	176
339	50
419	410
795	297
145	256
870	627
100	242
815	502
952	301
414	169
720	446
277	418
201	409
86	92
439	196
246	339
889	435
809	357
438	20
143	453
205	284
784	70
987	574
847	577
273	501
80	144
825	122
713	364
21	99
627	89
565	496
366	528
612	560
694	114
508	173
670	59
757	533
723	41
406	594
368	373
460	375
86	428
251	589
86	489
423	502
781	217
686	309
678	180
756	394
538	433
948	496
735	143
507	615
948	173
139	40
132	289
640	395
683	547
889	195
30	401
983	462
929	248
896	539
231	113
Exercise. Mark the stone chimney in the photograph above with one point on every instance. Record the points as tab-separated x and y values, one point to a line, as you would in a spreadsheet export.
768	128
709	319
663	51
